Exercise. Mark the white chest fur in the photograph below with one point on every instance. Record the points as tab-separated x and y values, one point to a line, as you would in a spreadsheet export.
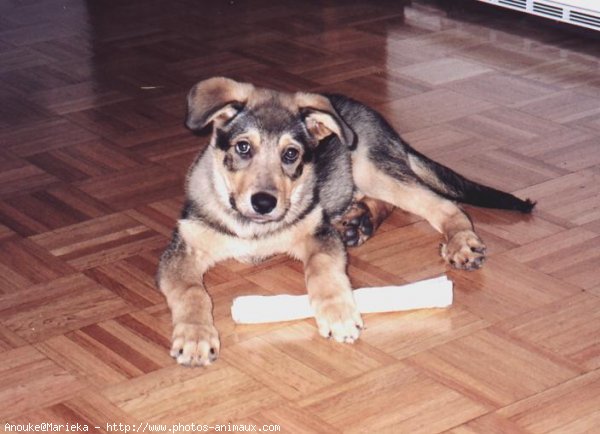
217	246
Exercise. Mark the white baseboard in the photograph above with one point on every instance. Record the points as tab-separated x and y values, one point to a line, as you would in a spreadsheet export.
583	13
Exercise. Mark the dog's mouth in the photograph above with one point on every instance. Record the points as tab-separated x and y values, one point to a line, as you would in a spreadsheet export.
259	218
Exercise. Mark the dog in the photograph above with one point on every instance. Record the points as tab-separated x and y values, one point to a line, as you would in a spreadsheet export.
303	174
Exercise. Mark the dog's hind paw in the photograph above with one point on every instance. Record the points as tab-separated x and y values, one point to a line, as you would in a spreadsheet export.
464	251
338	318
356	226
195	344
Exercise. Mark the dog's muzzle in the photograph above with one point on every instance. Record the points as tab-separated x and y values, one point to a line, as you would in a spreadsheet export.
263	203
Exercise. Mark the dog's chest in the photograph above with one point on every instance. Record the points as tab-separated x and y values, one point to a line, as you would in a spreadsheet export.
218	246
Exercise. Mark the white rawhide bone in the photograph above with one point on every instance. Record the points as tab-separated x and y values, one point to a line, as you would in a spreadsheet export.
254	309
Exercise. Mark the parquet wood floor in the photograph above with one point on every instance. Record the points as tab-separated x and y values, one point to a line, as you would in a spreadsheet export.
93	154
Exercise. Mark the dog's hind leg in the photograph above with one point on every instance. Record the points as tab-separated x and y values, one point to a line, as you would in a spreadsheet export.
195	340
463	248
362	219
328	285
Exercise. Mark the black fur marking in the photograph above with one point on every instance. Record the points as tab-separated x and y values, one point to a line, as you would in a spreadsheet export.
191	212
228	162
221	140
391	161
325	230
328	236
218	227
298	172
187	210
308	156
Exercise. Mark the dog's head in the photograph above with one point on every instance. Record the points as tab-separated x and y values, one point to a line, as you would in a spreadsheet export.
263	143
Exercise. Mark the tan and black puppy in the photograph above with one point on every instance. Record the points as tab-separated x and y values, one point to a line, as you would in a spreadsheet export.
282	174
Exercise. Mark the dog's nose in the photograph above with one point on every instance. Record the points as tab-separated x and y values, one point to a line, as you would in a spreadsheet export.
263	203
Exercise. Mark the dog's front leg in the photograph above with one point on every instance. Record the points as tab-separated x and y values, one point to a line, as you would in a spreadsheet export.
328	286
195	340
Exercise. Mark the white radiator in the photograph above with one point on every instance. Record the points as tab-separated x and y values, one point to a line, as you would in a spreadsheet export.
584	13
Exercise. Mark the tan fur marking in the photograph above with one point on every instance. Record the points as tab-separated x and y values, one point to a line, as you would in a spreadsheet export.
329	289
322	125
213	93
423	172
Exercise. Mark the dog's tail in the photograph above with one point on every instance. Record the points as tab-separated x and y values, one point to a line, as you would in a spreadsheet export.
454	186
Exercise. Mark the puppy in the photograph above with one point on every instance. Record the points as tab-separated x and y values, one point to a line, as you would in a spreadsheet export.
280	172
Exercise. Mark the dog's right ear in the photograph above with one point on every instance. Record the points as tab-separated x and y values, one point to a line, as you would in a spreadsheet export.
216	100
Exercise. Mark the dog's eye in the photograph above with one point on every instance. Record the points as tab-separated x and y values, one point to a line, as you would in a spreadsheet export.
242	147
290	155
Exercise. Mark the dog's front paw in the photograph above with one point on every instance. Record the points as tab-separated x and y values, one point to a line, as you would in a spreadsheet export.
356	226
464	251
338	317
195	344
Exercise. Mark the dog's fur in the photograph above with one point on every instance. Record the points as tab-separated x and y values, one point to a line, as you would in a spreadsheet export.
286	173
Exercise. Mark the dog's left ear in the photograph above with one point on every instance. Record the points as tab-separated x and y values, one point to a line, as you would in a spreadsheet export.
322	120
217	100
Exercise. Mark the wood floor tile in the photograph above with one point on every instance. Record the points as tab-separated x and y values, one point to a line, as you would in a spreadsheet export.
498	370
44	136
443	71
490	423
284	373
569	256
575	157
341	40
86	409
570	407
170	395
504	89
30	381
378	87
23	263
279	279
132	279
408	333
159	216
568	327
504	288
62	305
19	177
130	188
507	125
446	143
435	44
560	72
376	402
573	197
100	241
17	58
85	160
293	419
419	242
46	210
502	58
513	227
430	108
563	107
490	168
9	339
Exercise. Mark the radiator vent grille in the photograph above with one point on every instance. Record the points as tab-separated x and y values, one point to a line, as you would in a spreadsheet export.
589	20
545	9
521	4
